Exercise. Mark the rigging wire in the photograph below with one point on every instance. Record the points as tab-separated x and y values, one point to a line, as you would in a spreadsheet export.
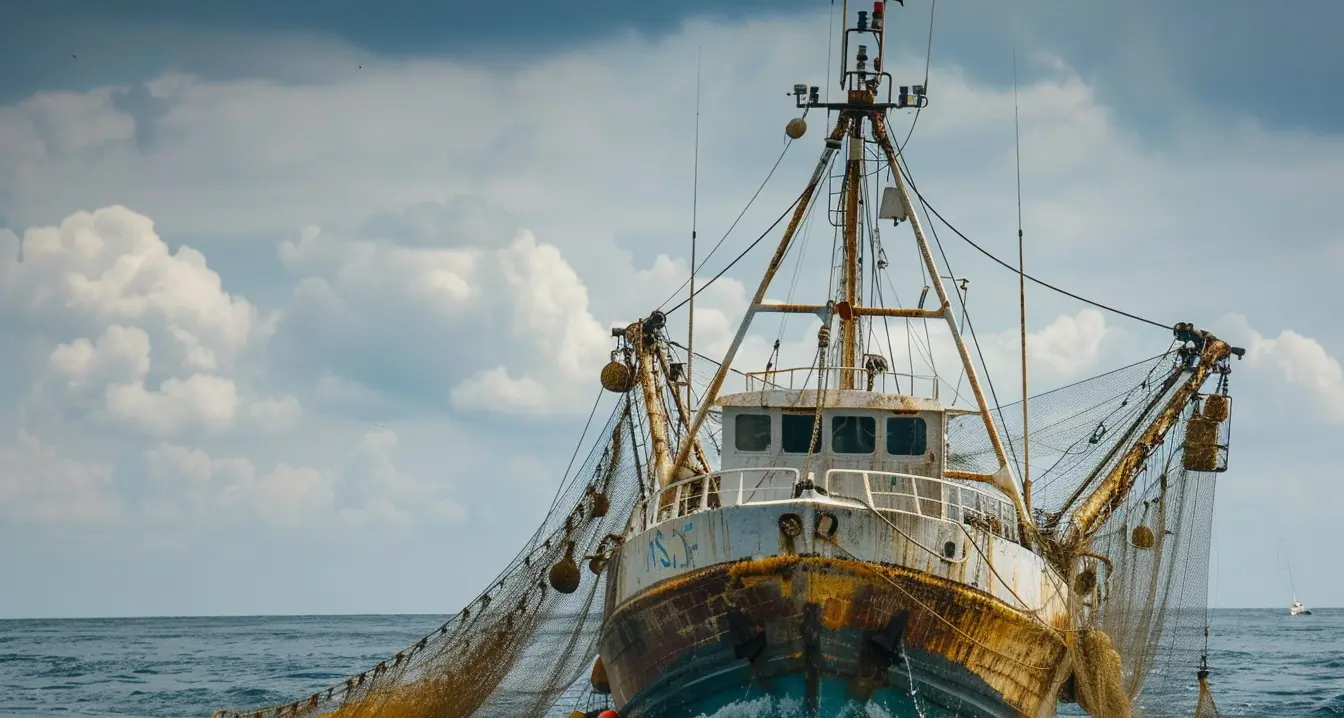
928	58
702	357
804	234
1006	265
695	207
969	324
750	247
787	144
578	445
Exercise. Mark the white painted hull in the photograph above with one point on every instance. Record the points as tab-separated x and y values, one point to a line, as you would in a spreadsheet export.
679	588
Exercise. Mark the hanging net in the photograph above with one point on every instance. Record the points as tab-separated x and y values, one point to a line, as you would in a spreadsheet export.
1205	708
1139	584
527	639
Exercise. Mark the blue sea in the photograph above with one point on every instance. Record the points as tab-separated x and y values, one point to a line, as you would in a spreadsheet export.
1264	663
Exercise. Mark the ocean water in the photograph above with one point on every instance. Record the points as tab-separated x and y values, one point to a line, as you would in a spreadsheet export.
1264	663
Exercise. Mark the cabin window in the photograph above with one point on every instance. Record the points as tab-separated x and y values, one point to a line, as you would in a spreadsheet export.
752	432
853	434
796	431
907	436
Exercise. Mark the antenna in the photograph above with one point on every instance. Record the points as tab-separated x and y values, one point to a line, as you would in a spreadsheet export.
1022	300
695	200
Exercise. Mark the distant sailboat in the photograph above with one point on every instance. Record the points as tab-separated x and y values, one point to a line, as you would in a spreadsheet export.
1297	609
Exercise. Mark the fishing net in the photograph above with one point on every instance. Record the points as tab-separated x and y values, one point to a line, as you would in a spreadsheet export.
1139	581
520	645
1205	708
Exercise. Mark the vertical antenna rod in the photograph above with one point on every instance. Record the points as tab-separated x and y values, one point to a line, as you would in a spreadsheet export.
1022	301
695	198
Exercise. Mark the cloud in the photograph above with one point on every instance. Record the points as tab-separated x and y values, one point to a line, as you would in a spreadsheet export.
275	416
1069	346
199	400
1300	361
37	485
146	338
364	487
460	306
110	266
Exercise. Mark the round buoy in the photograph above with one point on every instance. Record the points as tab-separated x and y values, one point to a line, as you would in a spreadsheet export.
1143	537
577	714
608	714
565	574
796	128
617	377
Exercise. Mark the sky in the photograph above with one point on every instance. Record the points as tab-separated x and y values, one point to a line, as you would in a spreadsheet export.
302	308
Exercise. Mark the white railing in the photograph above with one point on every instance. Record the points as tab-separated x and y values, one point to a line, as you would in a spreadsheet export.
730	487
885	491
806	377
926	496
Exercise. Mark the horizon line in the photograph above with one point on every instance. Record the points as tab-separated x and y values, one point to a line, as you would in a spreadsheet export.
16	619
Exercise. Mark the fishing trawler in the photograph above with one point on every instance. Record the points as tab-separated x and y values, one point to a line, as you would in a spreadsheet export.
834	560
837	539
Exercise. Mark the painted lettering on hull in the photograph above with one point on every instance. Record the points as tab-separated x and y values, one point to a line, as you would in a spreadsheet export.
674	551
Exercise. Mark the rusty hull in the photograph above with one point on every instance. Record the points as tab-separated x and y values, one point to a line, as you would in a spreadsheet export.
822	615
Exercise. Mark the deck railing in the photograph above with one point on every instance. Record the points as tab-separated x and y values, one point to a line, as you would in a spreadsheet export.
928	497
804	377
728	487
885	491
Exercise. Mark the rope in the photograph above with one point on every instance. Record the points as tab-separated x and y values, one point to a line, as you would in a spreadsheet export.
1035	612
878	513
876	570
823	341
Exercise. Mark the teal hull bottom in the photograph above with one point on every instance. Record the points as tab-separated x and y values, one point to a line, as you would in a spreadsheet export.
920	686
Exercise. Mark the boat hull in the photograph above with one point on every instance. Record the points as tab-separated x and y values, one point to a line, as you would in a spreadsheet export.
826	636
789	696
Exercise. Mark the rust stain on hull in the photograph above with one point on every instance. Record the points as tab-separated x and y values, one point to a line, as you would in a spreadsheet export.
653	636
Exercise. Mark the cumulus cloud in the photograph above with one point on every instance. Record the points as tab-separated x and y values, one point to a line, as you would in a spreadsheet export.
366	486
109	266
274	416
484	328
154	341
1301	361
1071	345
38	485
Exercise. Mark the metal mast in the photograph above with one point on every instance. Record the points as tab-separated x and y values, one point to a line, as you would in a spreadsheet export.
862	78
849	321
